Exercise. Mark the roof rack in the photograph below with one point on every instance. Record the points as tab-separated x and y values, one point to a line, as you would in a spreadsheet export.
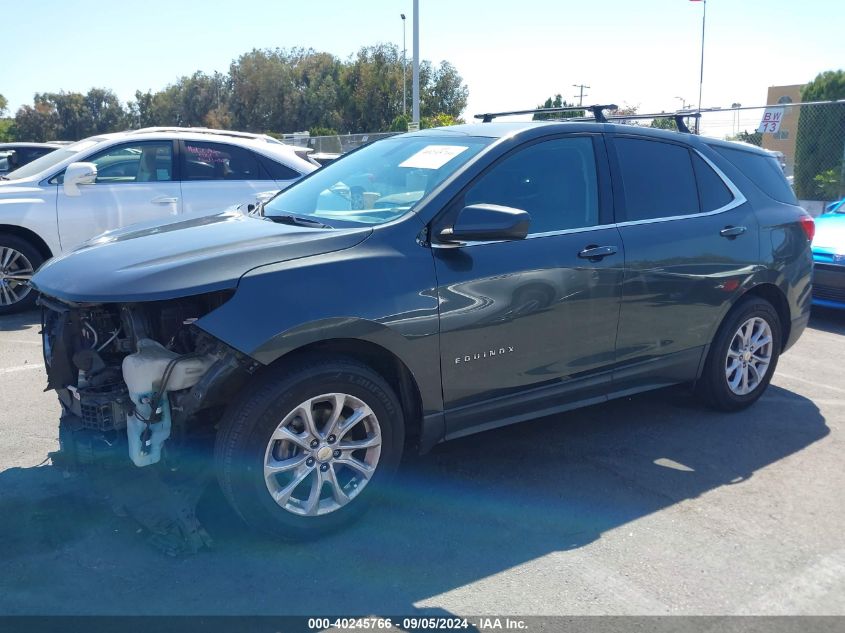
600	117
677	116
597	110
207	130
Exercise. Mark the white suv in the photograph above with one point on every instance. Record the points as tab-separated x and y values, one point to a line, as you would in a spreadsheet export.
60	200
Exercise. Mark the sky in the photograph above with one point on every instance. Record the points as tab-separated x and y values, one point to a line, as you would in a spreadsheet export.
512	55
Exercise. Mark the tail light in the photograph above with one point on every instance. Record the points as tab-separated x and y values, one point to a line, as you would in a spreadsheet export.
809	226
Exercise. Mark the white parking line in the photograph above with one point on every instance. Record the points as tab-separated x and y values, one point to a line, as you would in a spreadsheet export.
12	370
809	382
19	340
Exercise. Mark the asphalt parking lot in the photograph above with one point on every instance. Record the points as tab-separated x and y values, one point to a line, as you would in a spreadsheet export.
647	505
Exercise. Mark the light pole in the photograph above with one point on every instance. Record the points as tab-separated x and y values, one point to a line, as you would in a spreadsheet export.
415	111
404	73
735	106
683	102
701	75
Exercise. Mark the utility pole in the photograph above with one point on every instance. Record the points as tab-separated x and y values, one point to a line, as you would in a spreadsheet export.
416	76
580	95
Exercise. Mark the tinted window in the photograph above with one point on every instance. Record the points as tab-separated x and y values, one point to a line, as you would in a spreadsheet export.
554	181
150	161
657	179
764	171
216	161
712	191
277	171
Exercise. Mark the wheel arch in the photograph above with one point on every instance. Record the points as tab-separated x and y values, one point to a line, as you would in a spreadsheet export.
381	360
776	297
30	236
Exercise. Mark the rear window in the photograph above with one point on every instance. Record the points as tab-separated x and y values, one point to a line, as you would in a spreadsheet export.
764	171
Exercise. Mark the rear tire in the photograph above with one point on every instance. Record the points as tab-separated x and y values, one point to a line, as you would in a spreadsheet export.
285	455
743	356
19	259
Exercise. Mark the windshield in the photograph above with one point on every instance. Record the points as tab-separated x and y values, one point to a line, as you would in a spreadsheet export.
53	158
378	183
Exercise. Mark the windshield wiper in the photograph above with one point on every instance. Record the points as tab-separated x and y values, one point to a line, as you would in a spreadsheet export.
4	178
297	221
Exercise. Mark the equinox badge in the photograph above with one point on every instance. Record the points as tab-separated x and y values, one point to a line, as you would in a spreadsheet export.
488	354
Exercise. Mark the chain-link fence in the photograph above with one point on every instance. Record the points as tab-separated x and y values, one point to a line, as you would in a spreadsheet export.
338	144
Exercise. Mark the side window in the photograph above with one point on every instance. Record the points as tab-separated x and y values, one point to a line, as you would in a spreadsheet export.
554	181
150	161
764	171
657	179
277	171
712	192
217	161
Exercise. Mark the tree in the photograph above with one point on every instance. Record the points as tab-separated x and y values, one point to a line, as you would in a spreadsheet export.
70	115
820	140
752	138
7	132
444	92
667	123
557	102
38	122
441	119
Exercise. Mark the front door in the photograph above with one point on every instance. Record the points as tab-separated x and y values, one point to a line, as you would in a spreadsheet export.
135	183
532	323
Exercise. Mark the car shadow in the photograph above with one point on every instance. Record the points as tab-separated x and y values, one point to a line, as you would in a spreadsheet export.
472	508
827	320
19	321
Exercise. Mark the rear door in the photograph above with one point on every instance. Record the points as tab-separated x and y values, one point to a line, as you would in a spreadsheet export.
531	324
219	175
690	244
135	183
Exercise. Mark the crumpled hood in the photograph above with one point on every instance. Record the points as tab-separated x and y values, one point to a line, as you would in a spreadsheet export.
830	233
155	261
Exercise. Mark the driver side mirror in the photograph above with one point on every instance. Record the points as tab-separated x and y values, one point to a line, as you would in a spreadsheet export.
79	174
487	223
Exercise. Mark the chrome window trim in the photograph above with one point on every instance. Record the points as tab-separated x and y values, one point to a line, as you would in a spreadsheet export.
738	199
530	236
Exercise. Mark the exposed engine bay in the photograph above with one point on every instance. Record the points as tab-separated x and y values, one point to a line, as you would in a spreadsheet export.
141	387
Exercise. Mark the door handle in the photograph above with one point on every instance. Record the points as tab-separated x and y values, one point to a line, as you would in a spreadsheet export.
164	200
596	253
732	231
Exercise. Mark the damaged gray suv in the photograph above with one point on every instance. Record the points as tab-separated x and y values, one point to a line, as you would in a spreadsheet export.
426	287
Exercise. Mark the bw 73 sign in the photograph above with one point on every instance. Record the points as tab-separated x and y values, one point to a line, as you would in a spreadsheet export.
771	120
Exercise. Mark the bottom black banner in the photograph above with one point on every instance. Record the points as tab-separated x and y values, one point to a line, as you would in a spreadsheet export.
414	623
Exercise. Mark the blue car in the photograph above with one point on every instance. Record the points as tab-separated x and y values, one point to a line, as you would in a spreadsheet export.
829	258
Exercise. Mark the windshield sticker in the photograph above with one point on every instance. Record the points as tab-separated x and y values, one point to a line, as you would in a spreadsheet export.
433	156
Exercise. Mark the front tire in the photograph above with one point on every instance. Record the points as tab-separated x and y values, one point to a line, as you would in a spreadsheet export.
18	262
306	449
743	356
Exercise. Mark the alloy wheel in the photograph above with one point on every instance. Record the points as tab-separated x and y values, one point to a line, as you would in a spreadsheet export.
749	356
15	274
322	454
